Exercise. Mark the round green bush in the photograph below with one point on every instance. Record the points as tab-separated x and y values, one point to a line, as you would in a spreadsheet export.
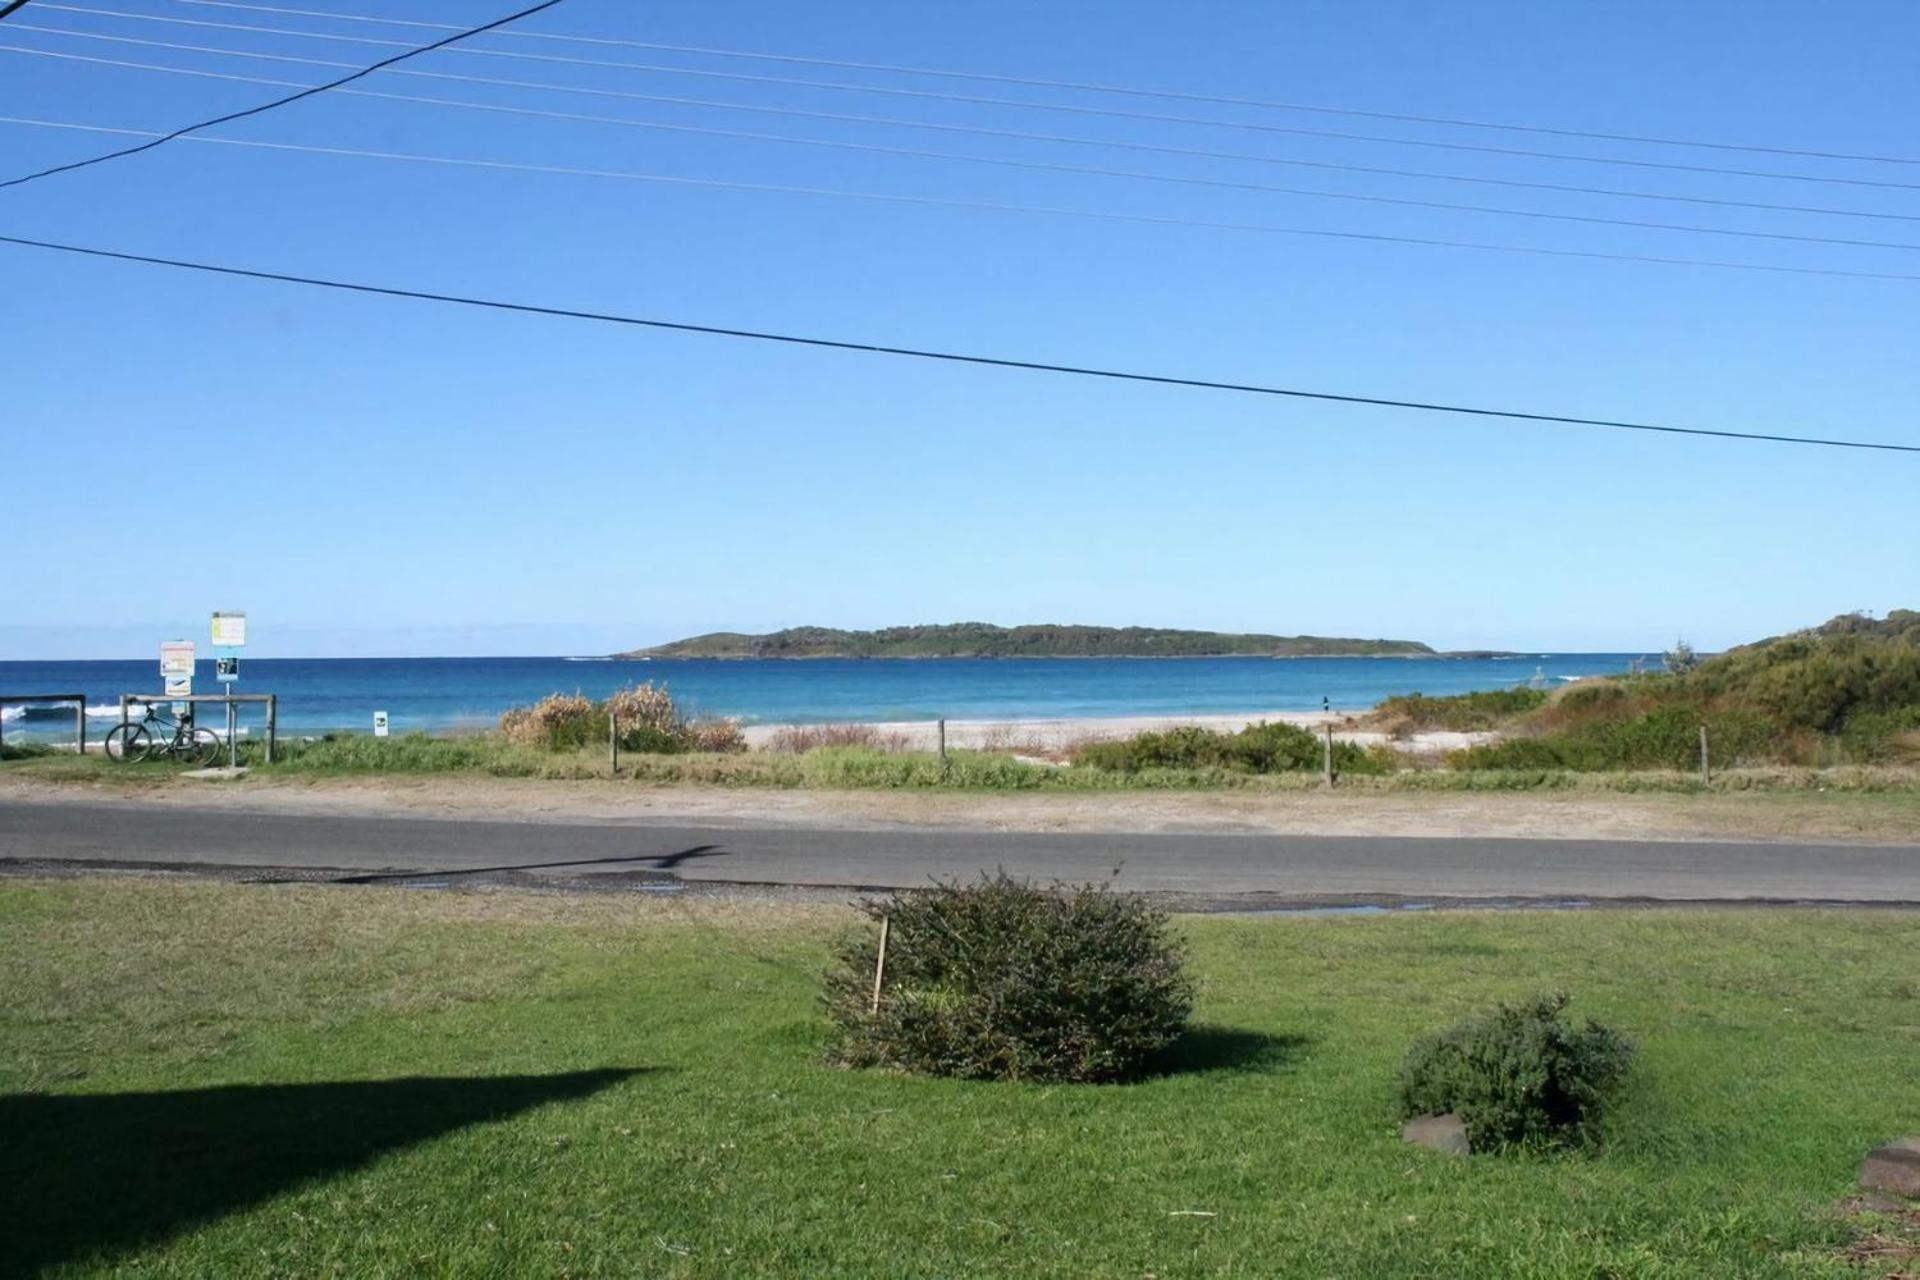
1004	980
1521	1075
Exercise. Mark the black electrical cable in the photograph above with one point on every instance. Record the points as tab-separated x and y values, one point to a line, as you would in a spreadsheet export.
1132	91
949	357
280	102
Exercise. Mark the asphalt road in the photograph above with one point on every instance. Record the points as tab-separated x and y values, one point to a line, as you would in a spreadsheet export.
1285	866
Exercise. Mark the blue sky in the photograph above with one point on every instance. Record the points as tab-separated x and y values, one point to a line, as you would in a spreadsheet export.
372	476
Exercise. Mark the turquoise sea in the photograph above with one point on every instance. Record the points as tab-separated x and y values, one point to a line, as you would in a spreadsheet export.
445	695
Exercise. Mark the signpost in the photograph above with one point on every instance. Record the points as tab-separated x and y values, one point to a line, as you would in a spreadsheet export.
379	724
176	670
229	632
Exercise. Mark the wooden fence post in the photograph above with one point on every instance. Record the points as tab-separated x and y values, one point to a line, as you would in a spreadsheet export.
1706	767
613	742
1326	756
943	762
880	963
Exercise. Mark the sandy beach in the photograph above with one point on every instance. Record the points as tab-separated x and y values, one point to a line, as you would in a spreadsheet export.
1045	738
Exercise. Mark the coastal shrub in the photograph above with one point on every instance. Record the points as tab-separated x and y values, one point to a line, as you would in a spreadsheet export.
1666	738
557	721
1847	691
1462	713
644	706
798	739
1258	748
1004	980
1521	1075
717	736
648	718
1877	737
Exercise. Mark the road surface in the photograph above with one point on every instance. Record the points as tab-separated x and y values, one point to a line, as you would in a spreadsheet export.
1289	867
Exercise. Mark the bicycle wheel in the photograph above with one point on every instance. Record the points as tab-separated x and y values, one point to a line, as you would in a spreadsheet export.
202	749
128	743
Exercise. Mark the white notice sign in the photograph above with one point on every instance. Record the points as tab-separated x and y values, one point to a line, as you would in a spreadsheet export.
229	630
176	658
379	724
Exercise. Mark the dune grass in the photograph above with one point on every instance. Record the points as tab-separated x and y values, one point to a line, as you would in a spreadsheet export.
875	768
233	1080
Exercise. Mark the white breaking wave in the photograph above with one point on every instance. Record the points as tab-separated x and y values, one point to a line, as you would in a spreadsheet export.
12	713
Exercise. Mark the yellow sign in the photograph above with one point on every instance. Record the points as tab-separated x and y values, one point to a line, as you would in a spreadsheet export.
229	630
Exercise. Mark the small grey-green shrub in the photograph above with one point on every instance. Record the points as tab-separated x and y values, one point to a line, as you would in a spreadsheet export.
1521	1075
1004	980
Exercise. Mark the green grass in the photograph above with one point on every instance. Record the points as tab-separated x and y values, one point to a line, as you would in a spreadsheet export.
866	768
198	1080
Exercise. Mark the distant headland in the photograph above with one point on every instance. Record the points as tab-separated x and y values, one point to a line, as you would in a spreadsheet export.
984	640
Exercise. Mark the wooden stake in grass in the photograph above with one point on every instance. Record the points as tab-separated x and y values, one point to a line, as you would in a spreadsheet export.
1706	769
1326	757
880	963
613	743
943	742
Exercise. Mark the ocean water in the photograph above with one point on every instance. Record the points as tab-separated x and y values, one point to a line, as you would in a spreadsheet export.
442	695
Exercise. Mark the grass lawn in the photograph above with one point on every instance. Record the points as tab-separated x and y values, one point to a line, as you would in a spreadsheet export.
203	1080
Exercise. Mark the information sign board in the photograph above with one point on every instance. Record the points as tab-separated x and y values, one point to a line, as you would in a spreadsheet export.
176	658
229	630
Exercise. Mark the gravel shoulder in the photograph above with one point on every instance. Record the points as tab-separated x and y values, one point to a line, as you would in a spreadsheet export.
1891	817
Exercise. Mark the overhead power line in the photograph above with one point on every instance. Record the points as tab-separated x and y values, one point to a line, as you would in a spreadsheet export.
920	153
1088	87
8	7
231	116
949	357
990	206
1028	105
887	121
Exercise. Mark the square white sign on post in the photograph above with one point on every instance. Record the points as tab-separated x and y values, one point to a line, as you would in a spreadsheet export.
379	724
176	658
229	630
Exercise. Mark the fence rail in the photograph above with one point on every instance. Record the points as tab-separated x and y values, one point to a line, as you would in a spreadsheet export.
38	699
272	701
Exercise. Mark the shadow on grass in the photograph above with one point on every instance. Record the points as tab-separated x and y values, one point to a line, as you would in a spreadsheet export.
1207	1048
91	1174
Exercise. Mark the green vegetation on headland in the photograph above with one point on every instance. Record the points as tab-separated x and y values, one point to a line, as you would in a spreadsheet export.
1845	692
984	640
245	1080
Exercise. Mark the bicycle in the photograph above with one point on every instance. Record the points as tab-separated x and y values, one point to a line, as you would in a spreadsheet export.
138	740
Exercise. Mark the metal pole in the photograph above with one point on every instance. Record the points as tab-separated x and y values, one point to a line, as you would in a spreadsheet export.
273	722
233	737
80	727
